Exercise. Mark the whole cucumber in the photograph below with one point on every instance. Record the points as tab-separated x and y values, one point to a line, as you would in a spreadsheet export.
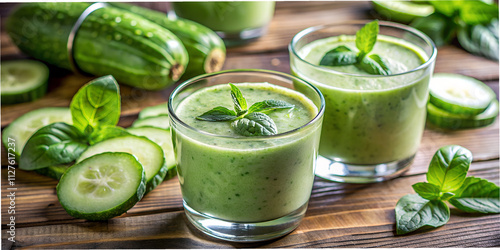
136	51
206	49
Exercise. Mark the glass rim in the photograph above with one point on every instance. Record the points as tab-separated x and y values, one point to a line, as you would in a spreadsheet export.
186	83
427	63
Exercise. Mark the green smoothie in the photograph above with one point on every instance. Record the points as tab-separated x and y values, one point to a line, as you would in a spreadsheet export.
230	17
369	119
246	179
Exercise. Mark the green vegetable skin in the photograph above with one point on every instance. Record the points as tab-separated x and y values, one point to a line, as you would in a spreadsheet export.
205	48
136	51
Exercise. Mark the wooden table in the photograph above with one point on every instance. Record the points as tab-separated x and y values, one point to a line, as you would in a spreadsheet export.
339	215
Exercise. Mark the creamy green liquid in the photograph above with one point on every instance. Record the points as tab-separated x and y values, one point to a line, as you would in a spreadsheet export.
231	16
243	179
369	119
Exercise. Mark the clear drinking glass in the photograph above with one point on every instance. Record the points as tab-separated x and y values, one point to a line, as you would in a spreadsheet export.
236	22
373	124
241	188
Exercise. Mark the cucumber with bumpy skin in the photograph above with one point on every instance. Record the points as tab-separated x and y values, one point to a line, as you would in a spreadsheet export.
149	154
23	81
102	187
205	48
110	41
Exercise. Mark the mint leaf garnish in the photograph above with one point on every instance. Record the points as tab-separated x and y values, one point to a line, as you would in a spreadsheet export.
240	103
255	124
447	182
218	114
366	37
247	121
269	105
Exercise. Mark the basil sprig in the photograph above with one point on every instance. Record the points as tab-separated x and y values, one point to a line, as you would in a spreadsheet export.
246	121
366	38
95	110
447	181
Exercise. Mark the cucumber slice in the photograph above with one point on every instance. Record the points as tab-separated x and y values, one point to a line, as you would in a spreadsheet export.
402	11
22	128
160	109
448	120
161	121
149	154
459	94
23	81
54	172
102	187
163	138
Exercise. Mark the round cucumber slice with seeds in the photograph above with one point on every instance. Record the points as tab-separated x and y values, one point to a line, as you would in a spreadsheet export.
23	81
163	138
152	111
448	120
22	128
161	121
102	186
148	153
459	94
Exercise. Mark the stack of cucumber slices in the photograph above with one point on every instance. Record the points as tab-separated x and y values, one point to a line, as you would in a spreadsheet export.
116	166
460	102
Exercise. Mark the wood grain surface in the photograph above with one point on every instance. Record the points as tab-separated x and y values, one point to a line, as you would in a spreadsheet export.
339	215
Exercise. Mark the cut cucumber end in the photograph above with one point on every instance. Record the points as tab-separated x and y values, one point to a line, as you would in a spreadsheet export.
54	172
446	120
102	187
459	94
402	11
23	81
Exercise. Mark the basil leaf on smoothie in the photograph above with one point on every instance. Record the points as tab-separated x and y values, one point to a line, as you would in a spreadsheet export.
248	122
269	105
339	59
240	103
366	37
218	114
374	65
255	124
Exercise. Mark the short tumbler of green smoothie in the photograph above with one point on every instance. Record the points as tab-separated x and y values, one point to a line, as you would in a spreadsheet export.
246	188
236	22
373	124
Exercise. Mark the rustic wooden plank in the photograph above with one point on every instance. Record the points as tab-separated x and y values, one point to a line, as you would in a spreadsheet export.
361	217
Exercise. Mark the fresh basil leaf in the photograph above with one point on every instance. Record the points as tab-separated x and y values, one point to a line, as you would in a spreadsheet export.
438	27
96	104
339	59
477	12
382	63
269	105
480	40
255	124
446	196
427	190
372	67
106	132
240	103
414	212
448	167
54	144
217	114
366	37
477	196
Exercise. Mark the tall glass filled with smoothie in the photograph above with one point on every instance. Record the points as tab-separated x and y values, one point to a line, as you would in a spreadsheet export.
246	143
375	86
236	22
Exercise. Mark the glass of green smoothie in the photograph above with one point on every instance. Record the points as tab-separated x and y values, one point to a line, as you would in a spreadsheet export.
252	185
373	123
236	22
